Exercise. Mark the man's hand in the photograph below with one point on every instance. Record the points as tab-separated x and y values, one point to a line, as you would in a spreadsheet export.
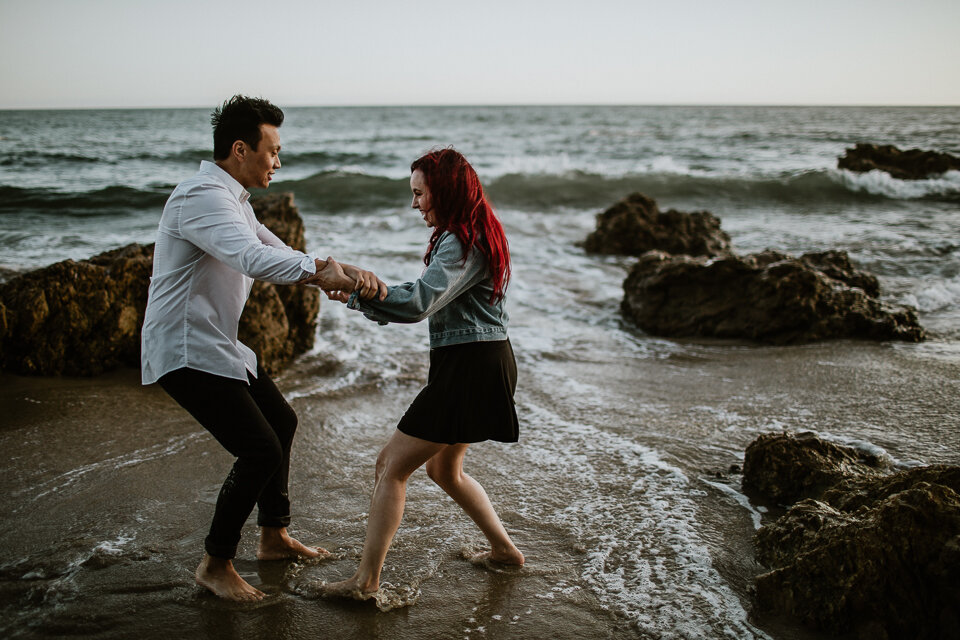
365	282
330	277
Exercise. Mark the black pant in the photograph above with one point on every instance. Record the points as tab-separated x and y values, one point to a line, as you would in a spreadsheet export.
254	423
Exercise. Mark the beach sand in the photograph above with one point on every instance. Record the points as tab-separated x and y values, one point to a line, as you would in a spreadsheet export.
612	494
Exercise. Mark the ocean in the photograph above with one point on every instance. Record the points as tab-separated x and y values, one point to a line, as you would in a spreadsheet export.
618	492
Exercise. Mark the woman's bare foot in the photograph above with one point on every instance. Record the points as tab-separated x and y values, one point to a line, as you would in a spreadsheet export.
352	588
276	544
509	556
219	576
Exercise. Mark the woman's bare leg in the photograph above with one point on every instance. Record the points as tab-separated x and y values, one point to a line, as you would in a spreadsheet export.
446	469
401	456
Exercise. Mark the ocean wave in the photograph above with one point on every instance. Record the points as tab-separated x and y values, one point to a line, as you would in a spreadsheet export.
18	200
319	159
191	156
343	190
880	183
340	159
322	159
43	159
588	190
936	296
337	191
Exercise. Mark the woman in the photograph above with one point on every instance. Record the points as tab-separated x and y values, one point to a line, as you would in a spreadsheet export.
469	392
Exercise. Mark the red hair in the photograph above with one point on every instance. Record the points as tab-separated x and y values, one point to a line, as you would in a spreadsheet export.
460	206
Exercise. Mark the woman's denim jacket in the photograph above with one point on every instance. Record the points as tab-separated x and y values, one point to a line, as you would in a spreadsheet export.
453	293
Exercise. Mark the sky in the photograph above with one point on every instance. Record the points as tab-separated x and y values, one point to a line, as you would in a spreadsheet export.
194	53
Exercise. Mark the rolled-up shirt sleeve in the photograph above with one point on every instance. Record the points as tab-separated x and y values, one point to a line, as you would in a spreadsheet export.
209	219
445	278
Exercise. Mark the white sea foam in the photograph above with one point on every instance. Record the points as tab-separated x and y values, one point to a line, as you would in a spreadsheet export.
935	296
114	546
867	448
882	183
668	164
637	519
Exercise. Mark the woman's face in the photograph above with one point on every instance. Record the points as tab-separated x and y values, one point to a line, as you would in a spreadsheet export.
421	197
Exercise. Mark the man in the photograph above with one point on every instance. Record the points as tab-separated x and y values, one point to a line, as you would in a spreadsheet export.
210	248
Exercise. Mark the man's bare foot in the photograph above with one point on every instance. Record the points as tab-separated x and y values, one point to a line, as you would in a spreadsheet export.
276	544
352	588
219	576
510	556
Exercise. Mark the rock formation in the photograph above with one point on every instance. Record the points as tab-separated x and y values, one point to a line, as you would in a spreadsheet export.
76	318
636	225
84	317
785	469
689	283
875	555
912	164
769	297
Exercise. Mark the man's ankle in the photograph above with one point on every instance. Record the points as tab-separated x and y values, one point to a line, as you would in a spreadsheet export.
272	533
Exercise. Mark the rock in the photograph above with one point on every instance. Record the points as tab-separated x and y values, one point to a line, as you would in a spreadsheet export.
779	542
785	467
875	556
76	318
768	297
867	552
837	265
855	492
912	164
84	318
636	225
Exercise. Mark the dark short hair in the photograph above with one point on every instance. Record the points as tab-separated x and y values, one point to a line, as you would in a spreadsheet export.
239	118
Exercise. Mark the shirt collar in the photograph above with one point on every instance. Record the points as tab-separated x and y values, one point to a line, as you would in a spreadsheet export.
213	169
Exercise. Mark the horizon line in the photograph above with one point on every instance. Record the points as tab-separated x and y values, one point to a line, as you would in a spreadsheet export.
506	105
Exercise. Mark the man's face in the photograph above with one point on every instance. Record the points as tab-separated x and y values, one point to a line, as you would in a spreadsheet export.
259	166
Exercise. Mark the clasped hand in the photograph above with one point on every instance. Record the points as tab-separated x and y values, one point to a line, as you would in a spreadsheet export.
338	281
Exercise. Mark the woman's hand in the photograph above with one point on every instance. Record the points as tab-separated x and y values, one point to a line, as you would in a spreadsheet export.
339	296
366	283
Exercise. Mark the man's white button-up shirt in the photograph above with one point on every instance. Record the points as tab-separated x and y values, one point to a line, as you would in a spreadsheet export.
210	248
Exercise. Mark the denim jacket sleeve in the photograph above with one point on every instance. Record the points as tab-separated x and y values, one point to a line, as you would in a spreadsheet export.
445	278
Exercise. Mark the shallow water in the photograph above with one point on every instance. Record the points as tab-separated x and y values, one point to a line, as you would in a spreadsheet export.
618	492
613	494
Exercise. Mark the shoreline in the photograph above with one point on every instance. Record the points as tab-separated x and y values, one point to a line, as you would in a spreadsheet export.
123	473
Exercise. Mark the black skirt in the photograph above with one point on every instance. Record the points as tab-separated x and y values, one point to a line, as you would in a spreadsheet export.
468	397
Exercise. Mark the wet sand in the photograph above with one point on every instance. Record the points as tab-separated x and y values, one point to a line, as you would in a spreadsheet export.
110	487
612	495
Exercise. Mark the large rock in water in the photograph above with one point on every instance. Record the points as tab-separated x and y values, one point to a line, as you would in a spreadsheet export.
76	318
636	225
875	555
786	468
912	164
769	297
84	318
